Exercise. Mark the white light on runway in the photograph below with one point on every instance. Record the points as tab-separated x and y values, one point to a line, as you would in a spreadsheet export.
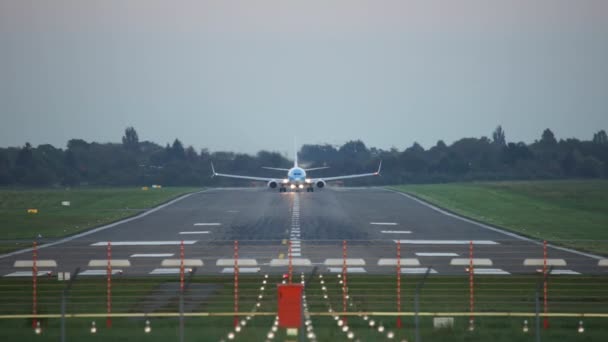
152	255
396	232
437	254
384	223
208	224
194	232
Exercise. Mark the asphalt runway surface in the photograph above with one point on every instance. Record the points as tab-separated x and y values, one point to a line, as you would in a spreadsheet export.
266	223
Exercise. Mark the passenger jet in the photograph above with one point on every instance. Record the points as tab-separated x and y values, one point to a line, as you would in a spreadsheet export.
296	177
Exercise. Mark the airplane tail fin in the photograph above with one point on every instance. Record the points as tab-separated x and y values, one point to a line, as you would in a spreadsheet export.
295	153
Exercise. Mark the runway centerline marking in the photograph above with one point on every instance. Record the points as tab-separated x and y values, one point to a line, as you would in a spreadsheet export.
384	223
194	232
208	224
447	242
396	232
143	243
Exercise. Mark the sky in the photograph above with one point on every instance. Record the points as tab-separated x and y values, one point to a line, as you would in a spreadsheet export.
246	75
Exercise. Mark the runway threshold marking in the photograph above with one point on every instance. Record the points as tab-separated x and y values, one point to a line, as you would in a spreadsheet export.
446	242
194	232
241	270
348	270
208	224
152	255
423	254
384	223
98	272
25	274
493	271
165	271
396	232
416	270
144	243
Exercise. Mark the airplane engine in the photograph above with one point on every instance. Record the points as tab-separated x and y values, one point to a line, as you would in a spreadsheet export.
320	183
272	184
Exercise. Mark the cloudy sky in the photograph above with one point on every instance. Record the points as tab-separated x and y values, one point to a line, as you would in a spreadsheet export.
251	74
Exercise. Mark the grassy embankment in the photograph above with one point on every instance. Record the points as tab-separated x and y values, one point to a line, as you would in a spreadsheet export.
88	208
570	213
368	293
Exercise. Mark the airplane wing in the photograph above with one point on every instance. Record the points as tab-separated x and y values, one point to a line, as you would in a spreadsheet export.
241	177
377	173
317	168
274	168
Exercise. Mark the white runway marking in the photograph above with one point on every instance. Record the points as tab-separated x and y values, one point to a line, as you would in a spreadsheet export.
294	262
348	270
340	262
208	224
416	270
152	255
39	263
144	243
567	272
25	274
403	262
194	232
467	261
395	232
384	223
541	262
437	254
241	262
98	272
447	242
241	270
165	271
496	271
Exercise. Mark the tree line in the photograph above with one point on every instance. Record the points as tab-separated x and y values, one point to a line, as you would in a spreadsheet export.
135	162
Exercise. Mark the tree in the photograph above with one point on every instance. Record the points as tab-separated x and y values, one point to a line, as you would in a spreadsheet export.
548	138
600	138
177	150
130	140
498	137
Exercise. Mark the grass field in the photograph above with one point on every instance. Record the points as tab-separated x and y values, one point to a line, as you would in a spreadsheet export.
367	294
571	213
88	208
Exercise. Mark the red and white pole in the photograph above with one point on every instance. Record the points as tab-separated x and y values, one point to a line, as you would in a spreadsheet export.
35	285
290	272
236	282
399	324
471	285
181	267
344	279
545	286
109	286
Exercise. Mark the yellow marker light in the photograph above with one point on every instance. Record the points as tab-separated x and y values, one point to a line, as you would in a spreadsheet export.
144	188
32	211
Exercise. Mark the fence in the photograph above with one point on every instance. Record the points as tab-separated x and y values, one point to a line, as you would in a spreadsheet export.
366	290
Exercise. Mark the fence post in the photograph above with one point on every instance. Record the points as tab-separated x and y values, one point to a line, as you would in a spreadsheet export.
181	291
236	282
344	286
64	295
471	288
545	287
290	269
35	285
109	286
417	303
399	324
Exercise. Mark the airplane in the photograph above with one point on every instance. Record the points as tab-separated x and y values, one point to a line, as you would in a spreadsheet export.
296	177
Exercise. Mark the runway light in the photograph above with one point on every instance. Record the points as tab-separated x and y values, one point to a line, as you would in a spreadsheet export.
525	328
345	328
324	296
365	318
372	323
237	328
350	335
38	329
390	335
311	335
340	322
380	328
270	335
243	322
147	328
581	328
471	325
274	328
93	327
231	335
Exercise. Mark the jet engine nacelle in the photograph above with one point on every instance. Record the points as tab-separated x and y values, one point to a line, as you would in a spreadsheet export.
272	184
320	183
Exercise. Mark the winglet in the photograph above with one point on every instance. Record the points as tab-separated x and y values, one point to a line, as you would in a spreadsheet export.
212	169
379	167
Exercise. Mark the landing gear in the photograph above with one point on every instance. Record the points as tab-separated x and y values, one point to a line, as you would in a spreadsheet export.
282	189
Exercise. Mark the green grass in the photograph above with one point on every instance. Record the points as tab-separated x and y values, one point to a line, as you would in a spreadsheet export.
572	294
89	208
571	213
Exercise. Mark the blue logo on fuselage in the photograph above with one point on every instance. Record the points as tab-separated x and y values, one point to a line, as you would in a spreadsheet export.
296	175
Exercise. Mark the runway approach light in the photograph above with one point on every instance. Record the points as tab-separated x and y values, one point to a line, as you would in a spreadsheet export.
38	329
147	328
581	328
93	327
525	329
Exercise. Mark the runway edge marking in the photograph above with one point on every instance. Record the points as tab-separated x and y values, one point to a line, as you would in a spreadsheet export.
498	230
102	228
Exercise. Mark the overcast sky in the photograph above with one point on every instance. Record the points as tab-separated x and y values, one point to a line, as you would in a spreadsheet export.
249	75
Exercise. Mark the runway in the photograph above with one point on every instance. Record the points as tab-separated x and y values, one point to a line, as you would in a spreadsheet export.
265	223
